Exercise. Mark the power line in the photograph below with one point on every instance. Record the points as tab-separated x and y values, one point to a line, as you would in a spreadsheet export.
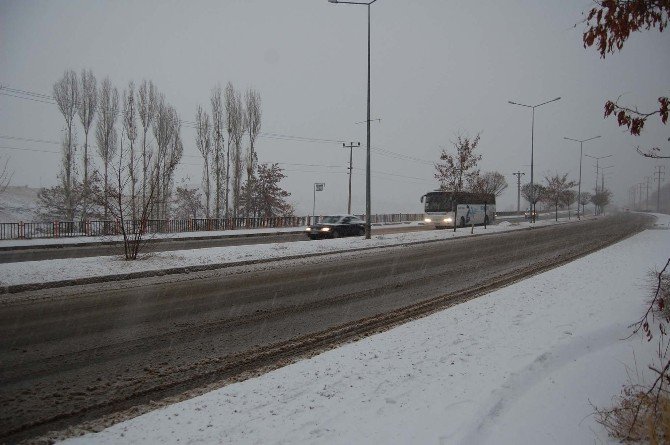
29	149
17	138
307	165
28	98
29	93
46	141
47	99
199	165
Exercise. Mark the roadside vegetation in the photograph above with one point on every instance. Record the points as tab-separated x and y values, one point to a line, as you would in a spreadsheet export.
130	184
642	412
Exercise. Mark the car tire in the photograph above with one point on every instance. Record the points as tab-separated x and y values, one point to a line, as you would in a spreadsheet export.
335	234
361	232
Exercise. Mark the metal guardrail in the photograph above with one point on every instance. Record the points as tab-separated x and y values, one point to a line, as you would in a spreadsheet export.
69	229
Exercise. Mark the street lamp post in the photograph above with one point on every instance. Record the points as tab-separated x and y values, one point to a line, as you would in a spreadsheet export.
581	150
532	136
367	165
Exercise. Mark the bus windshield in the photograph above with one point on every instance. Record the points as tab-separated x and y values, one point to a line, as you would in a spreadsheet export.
438	202
441	202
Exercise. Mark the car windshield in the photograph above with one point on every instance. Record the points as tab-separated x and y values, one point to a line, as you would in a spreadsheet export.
330	219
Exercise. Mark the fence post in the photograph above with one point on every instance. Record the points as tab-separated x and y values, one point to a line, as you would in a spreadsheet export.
22	230
56	229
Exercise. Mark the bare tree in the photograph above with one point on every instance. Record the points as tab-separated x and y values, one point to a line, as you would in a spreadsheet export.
188	202
268	196
252	122
162	129
105	133
600	199
5	175
171	160
556	190
146	107
204	144
130	127
88	103
237	133
217	134
454	169
569	197
231	116
489	183
166	129
583	199
533	193
66	95
120	205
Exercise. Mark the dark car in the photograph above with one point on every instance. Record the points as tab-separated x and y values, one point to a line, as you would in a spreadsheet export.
528	214
336	226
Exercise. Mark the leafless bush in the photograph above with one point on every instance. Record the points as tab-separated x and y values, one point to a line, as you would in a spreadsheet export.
642	411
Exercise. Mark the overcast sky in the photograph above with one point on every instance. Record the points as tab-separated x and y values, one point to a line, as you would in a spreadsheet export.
439	68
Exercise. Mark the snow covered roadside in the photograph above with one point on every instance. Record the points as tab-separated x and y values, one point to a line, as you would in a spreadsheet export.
30	272
519	365
82	240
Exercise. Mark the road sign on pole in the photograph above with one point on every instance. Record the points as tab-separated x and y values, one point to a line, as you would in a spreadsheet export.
318	187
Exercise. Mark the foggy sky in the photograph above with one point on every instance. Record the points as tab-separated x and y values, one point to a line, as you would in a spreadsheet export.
439	68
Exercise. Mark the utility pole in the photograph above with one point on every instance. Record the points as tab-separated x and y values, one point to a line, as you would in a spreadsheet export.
660	174
640	187
646	202
351	154
518	175
597	158
602	177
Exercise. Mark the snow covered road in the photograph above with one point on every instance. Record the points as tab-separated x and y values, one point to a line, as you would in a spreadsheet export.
65	271
520	365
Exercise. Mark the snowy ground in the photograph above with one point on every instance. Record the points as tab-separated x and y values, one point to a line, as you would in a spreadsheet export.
18	204
74	268
523	364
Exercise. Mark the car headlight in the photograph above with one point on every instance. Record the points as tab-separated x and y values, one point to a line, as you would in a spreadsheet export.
309	229
447	219
427	220
325	229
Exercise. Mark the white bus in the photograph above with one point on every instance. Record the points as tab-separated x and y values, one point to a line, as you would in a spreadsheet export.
444	209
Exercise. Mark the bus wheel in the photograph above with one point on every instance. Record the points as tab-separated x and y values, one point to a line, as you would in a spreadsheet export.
462	222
